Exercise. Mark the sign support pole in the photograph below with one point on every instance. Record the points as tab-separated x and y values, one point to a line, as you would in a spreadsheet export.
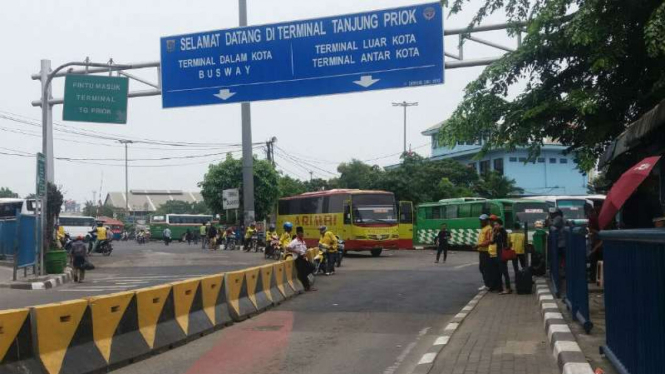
247	156
47	150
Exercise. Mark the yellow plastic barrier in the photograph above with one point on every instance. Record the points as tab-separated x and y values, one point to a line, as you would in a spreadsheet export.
291	276
255	290
269	284
189	307
280	280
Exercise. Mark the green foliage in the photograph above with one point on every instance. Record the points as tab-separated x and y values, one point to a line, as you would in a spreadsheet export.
183	207
228	174
6	192
318	184
289	186
600	184
590	67
54	204
357	174
92	210
495	186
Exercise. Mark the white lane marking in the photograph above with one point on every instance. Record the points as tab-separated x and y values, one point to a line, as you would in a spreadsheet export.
468	308
427	358
460	315
451	326
442	340
464	265
405	352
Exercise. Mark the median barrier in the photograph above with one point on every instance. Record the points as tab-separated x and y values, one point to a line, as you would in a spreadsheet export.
115	328
280	280
255	289
292	276
17	354
65	342
241	307
269	284
189	312
215	305
157	322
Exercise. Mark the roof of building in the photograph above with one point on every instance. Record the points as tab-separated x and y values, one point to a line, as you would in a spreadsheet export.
149	200
433	129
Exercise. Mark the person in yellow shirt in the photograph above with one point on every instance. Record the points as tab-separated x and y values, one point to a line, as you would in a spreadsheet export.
518	243
482	246
328	243
101	235
285	239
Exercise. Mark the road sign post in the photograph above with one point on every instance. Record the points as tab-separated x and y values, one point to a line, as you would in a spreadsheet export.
92	98
394	48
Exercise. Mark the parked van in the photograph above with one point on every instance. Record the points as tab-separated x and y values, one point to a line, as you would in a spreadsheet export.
9	206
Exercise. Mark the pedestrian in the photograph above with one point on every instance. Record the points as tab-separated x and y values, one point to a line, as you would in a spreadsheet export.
441	242
558	224
203	233
517	241
79	254
167	235
500	242
212	237
298	249
188	236
482	246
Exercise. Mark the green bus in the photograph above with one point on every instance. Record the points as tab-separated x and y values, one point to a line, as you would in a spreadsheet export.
461	216
178	223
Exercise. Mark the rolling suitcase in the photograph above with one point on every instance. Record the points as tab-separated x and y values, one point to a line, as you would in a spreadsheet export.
524	281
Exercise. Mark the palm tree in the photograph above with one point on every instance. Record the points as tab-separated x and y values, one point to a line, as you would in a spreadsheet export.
493	185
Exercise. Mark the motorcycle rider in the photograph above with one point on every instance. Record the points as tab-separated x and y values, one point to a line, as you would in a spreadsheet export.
251	231
328	243
271	235
100	231
286	238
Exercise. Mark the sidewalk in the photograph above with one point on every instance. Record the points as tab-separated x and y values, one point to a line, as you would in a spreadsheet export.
502	335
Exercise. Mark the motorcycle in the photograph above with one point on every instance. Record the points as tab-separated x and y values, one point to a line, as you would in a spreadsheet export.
230	243
340	252
253	243
105	248
272	248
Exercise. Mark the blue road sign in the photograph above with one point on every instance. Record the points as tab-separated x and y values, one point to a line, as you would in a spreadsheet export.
394	48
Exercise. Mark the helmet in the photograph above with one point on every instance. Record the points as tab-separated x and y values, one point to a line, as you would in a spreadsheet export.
252	224
272	227
322	228
288	226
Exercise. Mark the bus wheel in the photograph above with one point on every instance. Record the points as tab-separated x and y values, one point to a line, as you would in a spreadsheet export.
376	252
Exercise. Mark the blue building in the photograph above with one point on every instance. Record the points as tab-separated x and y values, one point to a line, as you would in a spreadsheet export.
552	173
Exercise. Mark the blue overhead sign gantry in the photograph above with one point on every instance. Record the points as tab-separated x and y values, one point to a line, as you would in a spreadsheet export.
394	48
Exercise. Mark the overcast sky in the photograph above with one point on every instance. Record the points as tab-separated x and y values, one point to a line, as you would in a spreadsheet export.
324	130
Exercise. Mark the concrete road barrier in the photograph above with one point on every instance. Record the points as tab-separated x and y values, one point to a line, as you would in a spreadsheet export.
157	321
65	342
269	284
215	305
255	291
17	355
115	328
241	307
189	308
280	280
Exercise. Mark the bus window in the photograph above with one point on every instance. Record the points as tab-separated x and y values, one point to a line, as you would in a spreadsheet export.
8	210
530	212
508	214
495	209
464	211
335	203
477	210
572	208
405	212
451	211
374	208
436	212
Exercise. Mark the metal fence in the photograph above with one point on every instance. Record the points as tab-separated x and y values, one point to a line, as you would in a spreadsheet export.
577	287
634	271
8	238
18	240
553	256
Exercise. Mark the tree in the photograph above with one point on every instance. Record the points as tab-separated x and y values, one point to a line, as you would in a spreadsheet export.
600	184
493	185
318	184
182	207
357	174
6	192
289	186
228	174
53	207
589	67
92	210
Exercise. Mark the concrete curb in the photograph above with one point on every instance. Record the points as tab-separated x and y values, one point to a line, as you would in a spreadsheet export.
53	282
565	349
426	362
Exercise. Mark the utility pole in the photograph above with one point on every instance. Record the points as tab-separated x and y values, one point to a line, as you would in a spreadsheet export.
270	150
311	176
125	142
405	105
247	157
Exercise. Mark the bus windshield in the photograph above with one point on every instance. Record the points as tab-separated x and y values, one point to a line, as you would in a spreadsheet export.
531	212
379	208
77	221
572	208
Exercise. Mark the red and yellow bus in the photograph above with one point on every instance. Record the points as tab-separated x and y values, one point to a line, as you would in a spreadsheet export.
366	220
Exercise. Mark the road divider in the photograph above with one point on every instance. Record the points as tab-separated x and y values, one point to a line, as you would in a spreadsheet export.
16	344
241	306
102	333
115	328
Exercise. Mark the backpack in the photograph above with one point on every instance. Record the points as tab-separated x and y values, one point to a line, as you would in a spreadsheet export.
79	249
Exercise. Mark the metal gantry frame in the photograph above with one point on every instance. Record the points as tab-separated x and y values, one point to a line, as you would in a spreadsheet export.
46	102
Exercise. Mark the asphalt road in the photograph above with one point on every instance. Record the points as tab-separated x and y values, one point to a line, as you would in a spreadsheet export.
132	266
376	315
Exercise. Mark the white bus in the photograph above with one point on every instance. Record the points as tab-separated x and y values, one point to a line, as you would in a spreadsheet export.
9	206
77	225
571	206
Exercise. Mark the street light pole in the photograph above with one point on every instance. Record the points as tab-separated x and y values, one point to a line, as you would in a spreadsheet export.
405	105
125	142
247	156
